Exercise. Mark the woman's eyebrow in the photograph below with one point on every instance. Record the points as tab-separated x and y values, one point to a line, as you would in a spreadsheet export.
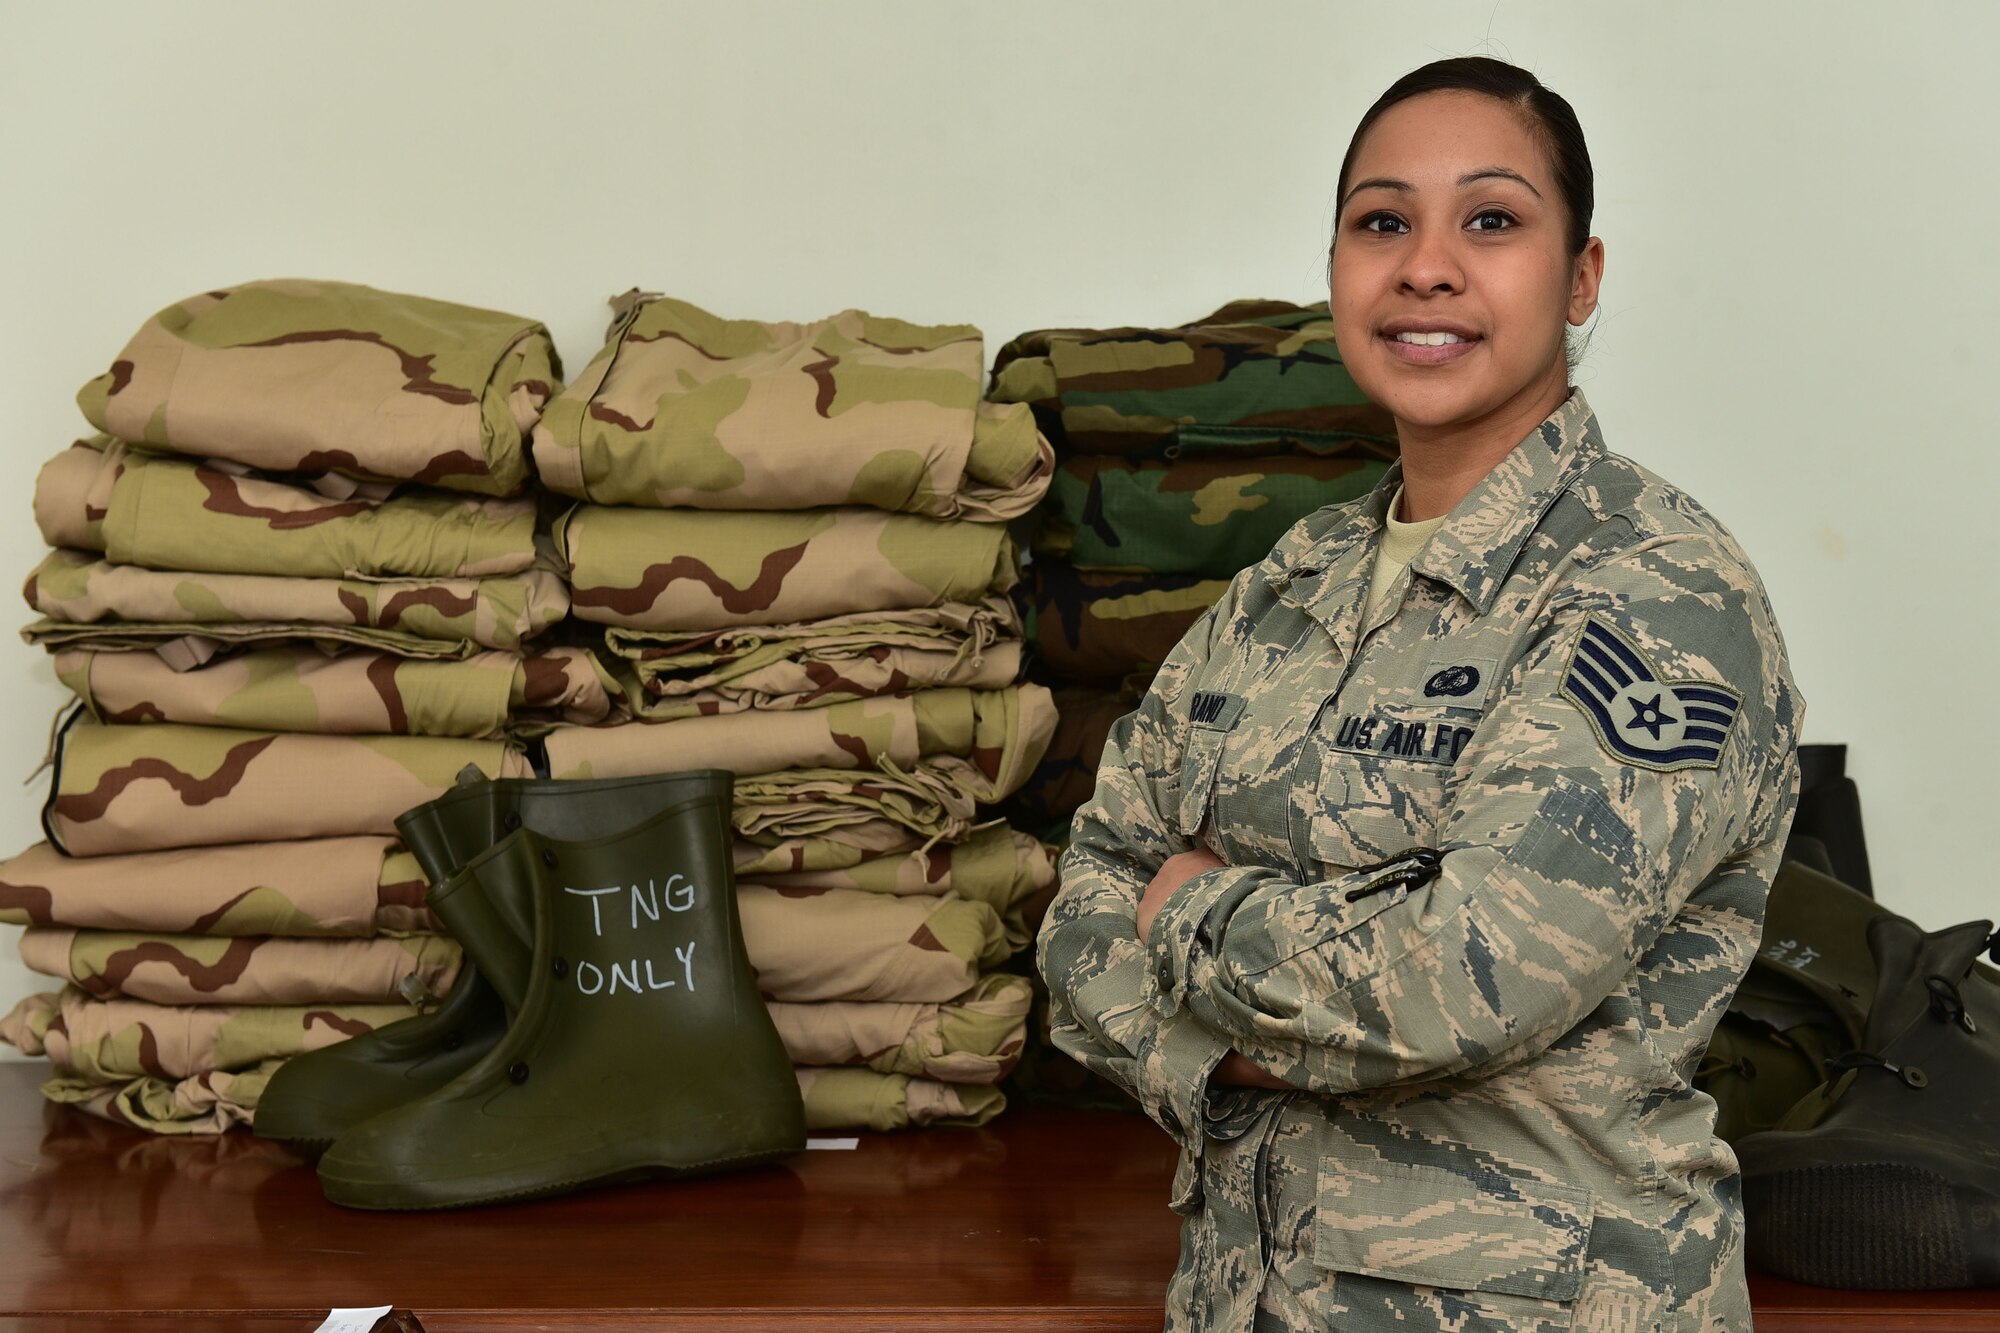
1469	178
1503	173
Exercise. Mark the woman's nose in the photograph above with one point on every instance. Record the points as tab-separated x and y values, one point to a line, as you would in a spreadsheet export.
1431	264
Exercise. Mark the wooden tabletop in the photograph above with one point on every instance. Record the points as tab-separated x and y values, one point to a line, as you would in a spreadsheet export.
1044	1219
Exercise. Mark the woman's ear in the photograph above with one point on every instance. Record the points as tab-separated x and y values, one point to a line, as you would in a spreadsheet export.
1585	281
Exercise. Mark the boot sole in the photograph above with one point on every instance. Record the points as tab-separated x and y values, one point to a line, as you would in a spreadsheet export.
434	1196
1882	1226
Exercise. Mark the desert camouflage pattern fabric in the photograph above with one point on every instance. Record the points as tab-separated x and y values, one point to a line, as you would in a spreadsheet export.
975	1038
1003	734
695	570
312	887
210	1103
682	408
120	1039
87	601
665	675
169	513
361	692
935	799
1255	378
839	944
160	786
1491	1048
863	1099
296	375
204	969
1098	626
995	865
1204	516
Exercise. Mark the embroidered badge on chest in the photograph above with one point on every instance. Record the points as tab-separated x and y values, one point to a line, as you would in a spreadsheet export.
1640	718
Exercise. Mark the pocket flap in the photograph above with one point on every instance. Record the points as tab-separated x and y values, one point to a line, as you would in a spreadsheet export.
1438	1228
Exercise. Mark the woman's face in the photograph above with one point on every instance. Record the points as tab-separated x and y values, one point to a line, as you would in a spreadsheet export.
1453	225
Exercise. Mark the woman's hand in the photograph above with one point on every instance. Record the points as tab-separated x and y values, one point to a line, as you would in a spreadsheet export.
1174	872
1236	1070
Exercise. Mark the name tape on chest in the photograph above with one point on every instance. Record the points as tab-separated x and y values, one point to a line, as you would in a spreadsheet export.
1210	709
1640	718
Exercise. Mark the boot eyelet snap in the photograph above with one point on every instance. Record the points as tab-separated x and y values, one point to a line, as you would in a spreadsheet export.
1915	1077
511	822
562	967
518	1072
548	858
453	1040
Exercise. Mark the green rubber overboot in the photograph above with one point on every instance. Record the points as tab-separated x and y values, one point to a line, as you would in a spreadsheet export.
316	1097
641	1047
1888	1176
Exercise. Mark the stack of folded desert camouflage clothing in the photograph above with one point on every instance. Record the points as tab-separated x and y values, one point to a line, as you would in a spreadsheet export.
792	553
1183	454
296	589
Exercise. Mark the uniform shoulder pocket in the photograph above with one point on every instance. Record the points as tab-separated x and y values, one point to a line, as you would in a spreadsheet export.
1427	1226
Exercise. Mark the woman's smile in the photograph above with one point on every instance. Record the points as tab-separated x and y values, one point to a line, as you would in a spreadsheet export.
1429	342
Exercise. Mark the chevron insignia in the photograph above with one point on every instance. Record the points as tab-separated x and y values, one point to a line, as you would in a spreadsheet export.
1639	718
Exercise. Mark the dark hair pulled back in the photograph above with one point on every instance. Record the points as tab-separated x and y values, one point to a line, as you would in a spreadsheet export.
1555	118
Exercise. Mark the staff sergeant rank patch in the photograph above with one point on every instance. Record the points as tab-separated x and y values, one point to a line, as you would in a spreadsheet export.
1639	718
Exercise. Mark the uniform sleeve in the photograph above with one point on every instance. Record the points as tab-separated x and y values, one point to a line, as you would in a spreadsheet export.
1647	735
1103	1004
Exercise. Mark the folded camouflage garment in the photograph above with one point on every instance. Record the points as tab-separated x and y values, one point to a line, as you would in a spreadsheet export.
973	1039
1003	732
295	375
151	788
681	408
871	810
695	570
1105	627
208	1103
1255	377
1205	516
204	969
359	692
864	1099
120	1039
995	865
666	675
835	1099
90	602
839	944
169	513
319	886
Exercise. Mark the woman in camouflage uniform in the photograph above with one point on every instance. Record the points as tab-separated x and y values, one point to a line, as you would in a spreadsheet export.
1411	893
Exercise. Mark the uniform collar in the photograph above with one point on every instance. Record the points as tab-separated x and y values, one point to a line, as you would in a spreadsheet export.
1482	536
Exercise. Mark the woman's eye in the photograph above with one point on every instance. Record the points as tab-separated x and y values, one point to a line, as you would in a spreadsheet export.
1382	223
1491	220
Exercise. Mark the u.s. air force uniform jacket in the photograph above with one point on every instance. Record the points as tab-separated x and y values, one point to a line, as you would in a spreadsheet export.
1496	860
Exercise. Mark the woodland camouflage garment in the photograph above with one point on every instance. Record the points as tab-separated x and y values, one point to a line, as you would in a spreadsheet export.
1253	379
297	375
681	408
1096	625
1578	700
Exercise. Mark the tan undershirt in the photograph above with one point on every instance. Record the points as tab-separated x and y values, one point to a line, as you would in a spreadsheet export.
1400	544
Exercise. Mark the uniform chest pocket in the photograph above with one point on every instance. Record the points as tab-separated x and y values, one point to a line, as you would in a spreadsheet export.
1385	781
1514	1247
